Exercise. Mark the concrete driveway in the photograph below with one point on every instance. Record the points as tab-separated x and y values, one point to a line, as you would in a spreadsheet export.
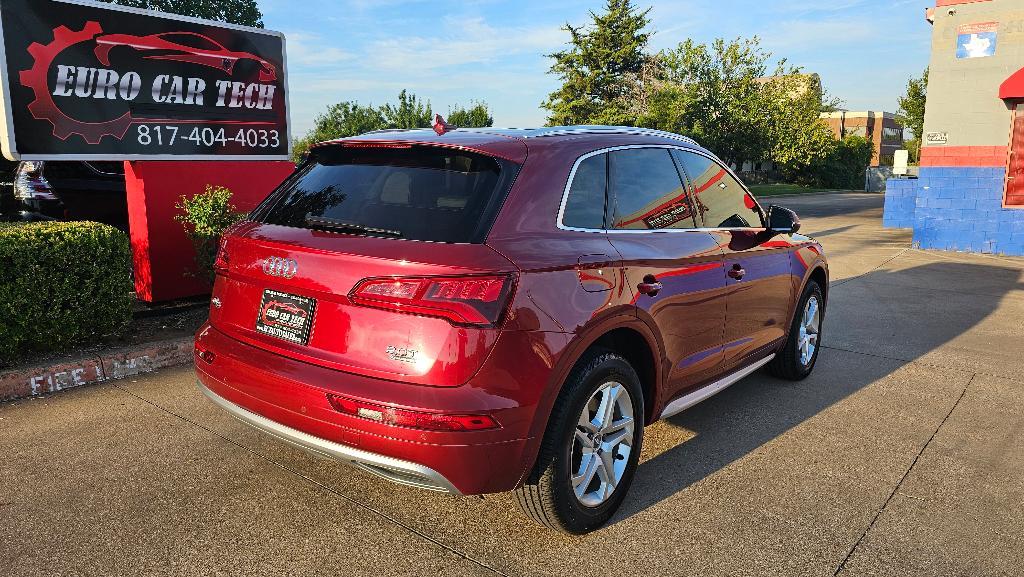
902	455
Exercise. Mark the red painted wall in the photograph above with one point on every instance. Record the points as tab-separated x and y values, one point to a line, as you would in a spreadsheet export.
990	156
163	254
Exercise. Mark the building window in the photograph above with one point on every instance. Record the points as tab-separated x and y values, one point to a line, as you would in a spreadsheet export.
892	135
1015	169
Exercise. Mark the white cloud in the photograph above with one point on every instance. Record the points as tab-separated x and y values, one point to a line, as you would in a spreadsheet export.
807	6
812	35
462	41
311	50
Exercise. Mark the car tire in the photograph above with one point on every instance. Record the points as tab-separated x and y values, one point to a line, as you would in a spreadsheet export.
568	488
795	361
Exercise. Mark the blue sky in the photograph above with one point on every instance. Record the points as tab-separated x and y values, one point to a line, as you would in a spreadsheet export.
456	51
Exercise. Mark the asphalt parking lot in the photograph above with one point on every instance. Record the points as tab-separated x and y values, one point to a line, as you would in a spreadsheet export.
903	454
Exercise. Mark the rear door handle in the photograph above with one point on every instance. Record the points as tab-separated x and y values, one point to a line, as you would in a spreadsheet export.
737	272
650	288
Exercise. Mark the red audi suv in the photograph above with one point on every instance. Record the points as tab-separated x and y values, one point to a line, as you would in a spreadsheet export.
487	310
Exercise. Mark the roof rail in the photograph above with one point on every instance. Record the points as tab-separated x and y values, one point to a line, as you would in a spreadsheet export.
570	130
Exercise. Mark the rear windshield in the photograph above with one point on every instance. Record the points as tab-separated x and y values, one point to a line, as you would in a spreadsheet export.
415	193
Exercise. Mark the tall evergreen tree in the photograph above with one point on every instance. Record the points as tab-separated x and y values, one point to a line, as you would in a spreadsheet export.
597	69
244	12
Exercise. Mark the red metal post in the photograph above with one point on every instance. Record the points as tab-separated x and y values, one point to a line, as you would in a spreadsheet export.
163	255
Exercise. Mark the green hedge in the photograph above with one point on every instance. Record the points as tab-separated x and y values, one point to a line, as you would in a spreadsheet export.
61	283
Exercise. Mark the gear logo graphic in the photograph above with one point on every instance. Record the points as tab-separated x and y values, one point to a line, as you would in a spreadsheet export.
44	108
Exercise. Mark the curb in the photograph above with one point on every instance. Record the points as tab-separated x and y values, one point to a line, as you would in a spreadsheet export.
112	365
820	193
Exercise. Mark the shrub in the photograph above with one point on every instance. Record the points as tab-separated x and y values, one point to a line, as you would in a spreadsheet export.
63	283
205	217
845	166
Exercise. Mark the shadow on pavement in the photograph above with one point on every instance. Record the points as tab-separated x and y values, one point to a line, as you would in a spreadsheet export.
760	408
833	231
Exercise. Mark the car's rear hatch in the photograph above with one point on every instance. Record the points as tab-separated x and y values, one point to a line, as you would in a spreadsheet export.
294	278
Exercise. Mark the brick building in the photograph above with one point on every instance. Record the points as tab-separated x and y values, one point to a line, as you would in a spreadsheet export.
970	195
881	128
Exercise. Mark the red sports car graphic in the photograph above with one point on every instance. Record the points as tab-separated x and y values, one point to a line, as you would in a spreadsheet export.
274	311
183	47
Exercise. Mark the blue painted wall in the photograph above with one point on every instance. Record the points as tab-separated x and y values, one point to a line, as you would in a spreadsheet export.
900	203
956	209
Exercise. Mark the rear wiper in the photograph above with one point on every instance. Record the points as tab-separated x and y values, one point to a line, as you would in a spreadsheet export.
333	224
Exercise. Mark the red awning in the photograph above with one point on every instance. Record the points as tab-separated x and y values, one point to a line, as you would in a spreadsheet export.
1013	87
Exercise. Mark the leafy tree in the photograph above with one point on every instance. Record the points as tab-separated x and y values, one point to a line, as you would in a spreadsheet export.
409	113
339	121
351	118
244	12
597	68
727	96
799	140
714	93
477	116
911	114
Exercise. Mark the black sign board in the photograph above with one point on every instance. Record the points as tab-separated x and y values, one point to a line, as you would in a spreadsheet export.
84	80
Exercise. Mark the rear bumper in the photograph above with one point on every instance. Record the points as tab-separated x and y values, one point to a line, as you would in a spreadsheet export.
397	470
288	399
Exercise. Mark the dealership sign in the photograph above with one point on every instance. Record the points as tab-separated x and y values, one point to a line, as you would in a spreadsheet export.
87	80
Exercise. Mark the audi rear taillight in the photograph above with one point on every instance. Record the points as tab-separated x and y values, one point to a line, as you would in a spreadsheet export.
462	300
220	263
410	419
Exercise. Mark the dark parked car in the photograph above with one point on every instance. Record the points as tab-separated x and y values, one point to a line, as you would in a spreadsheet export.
67	190
486	310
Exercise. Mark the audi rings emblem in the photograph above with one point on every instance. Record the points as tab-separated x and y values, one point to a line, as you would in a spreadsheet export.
282	267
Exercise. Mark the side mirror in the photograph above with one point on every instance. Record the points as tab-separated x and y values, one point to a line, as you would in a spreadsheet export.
782	220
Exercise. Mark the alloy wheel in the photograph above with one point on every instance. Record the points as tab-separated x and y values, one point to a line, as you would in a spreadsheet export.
602	444
810	328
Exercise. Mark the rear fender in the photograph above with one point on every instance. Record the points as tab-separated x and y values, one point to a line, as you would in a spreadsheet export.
567	360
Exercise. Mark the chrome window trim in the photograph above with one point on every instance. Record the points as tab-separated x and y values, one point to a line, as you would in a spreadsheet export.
572	176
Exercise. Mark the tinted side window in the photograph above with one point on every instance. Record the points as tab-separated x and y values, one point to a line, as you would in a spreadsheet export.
584	208
721	199
647	190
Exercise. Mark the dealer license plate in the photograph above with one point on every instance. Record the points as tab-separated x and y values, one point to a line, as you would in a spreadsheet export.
285	316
